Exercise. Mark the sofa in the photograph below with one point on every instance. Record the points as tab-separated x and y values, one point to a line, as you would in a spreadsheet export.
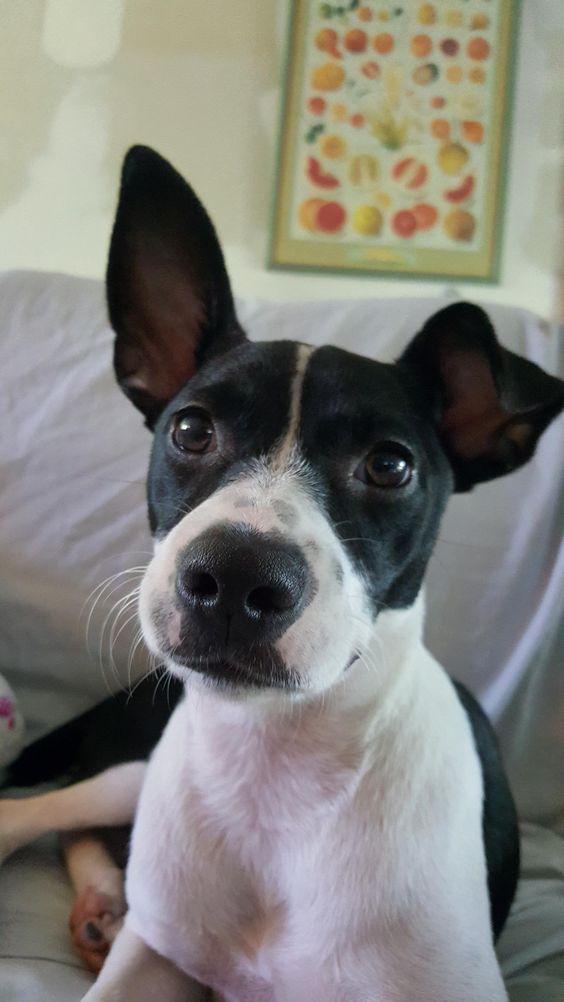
73	537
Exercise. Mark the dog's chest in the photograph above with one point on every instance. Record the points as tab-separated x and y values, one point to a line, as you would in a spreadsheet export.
233	875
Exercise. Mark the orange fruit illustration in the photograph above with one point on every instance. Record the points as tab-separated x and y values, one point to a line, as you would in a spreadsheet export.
478	48
440	128
459	225
328	76
326	39
473	132
355	40
364	14
383	43
425	215
421	45
332	147
307	213
479	21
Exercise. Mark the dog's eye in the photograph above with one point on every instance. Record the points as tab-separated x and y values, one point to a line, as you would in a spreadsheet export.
193	430
389	465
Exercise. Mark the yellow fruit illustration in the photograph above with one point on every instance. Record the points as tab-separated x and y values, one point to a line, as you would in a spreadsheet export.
426	14
367	219
479	22
363	170
328	76
382	199
452	158
454	74
338	112
459	224
332	147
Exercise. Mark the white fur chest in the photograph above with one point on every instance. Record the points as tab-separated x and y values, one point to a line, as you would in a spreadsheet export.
232	828
263	835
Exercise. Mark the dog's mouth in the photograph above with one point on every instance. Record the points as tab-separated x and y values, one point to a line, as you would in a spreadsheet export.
261	671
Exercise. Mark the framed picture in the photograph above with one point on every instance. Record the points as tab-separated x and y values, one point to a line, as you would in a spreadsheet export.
394	137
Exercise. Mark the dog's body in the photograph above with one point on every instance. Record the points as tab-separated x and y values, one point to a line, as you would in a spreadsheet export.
325	812
328	854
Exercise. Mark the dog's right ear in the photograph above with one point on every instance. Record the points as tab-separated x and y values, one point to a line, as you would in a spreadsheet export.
169	298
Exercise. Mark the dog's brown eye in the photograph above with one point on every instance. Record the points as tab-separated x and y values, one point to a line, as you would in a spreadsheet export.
389	465
193	430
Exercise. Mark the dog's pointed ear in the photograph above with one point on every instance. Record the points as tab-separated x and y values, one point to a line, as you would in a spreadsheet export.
169	298
491	406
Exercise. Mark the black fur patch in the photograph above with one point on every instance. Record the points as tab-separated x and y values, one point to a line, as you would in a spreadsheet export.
348	405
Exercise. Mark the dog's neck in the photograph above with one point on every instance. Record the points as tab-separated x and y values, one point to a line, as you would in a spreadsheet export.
376	681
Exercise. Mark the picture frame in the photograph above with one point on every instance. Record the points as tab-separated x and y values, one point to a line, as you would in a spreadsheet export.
394	138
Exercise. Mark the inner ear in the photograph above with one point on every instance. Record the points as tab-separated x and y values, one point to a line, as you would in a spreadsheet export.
472	413
169	297
490	405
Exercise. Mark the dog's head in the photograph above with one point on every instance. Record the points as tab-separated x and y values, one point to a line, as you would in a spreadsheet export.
294	493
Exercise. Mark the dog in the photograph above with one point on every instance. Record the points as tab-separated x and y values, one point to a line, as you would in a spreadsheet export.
325	815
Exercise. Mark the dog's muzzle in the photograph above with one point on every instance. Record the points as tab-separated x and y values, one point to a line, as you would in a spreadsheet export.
239	590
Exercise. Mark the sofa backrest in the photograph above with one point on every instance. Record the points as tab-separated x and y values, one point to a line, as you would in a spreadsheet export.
73	455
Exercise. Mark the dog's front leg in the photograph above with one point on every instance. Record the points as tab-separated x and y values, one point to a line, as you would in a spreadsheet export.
133	972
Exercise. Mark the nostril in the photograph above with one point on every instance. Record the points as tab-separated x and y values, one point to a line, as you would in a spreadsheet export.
203	584
200	585
270	599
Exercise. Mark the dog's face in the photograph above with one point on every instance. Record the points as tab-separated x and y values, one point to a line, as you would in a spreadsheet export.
294	493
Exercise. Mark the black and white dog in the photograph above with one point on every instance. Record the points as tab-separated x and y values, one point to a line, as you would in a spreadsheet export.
325	817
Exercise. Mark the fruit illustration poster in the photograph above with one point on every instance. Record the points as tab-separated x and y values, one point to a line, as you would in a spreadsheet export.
394	133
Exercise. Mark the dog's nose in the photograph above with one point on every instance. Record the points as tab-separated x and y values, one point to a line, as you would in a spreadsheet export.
253	583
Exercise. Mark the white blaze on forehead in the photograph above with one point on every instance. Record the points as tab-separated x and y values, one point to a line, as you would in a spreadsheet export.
285	449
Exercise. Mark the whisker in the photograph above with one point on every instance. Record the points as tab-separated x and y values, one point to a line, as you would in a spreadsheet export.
135	644
99	603
124	625
120	606
101	588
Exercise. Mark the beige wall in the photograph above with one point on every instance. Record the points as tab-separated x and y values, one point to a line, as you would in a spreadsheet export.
199	79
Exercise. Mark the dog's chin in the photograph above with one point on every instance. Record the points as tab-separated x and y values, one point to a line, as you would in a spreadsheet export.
234	674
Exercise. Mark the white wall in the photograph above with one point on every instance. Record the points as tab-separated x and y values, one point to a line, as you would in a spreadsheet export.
83	79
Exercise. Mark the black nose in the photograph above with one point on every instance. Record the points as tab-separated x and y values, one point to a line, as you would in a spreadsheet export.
242	584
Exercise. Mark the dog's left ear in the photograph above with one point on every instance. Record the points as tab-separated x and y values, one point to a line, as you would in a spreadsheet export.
169	298
491	406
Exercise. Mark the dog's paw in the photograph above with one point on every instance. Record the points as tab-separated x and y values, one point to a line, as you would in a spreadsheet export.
95	921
